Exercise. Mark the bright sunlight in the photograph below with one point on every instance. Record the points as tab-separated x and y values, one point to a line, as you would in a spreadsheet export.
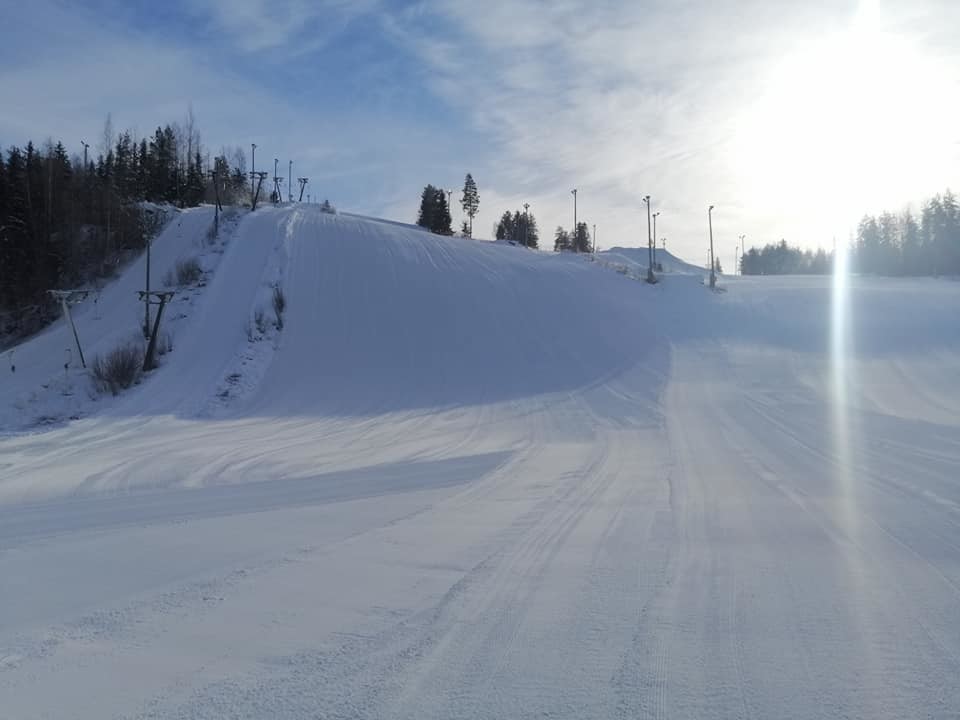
860	118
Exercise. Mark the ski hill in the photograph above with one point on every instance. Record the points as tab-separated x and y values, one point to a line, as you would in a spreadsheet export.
637	261
464	479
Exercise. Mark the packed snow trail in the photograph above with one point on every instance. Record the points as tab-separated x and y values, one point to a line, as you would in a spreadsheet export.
623	501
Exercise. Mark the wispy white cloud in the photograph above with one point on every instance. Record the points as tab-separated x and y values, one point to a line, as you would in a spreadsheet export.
695	102
290	26
91	67
624	99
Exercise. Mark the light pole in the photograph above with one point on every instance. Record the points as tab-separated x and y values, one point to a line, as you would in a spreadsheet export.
742	250
574	193
85	146
654	243
526	222
650	276
253	169
713	264
146	297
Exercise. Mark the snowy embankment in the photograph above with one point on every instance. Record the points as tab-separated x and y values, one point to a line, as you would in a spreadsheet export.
44	381
470	481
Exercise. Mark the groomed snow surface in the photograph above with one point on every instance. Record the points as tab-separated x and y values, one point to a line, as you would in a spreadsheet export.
467	480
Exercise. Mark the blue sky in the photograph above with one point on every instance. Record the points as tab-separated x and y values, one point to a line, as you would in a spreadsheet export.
792	118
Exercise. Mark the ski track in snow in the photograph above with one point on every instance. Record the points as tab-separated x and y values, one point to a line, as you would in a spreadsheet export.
418	501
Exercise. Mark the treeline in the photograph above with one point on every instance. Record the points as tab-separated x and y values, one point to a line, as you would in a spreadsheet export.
434	213
888	244
514	226
67	221
519	227
577	241
782	259
901	245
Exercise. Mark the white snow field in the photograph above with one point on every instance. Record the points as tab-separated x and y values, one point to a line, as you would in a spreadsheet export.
468	480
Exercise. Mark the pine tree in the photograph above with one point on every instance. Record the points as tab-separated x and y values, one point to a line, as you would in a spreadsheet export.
889	260
8	250
529	234
868	245
428	209
142	184
470	202
195	185
910	244
504	229
948	240
19	268
518	226
561	240
581	238
443	223
434	213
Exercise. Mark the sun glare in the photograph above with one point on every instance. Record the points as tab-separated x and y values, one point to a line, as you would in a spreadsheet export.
840	393
858	117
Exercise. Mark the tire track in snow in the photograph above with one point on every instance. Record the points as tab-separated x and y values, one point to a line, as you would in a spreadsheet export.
377	672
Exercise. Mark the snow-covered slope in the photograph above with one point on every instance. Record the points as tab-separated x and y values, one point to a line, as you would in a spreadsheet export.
467	480
384	318
638	259
33	384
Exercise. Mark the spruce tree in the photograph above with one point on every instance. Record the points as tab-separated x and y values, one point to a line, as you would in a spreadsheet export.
195	183
504	229
443	223
910	244
470	202
428	209
532	234
581	238
142	184
434	213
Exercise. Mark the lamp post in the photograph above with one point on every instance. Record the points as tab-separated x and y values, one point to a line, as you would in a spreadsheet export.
526	222
594	238
574	193
654	243
650	276
253	169
713	264
85	146
146	298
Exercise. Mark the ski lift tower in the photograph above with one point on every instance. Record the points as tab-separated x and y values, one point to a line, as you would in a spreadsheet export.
66	299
